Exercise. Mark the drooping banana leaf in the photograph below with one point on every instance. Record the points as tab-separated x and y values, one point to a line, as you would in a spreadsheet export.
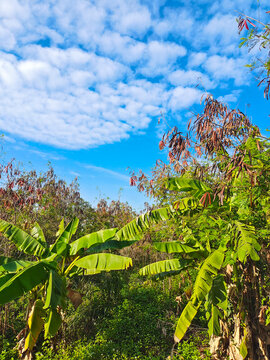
35	325
22	240
52	323
104	262
208	270
61	244
218	294
89	240
22	282
203	283
56	291
185	320
213	322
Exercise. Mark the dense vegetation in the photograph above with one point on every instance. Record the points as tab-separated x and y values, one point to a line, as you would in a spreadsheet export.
200	256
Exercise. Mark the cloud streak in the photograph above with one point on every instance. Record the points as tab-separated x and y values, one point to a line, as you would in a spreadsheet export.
109	172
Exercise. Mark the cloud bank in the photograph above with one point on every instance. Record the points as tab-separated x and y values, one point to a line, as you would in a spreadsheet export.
81	74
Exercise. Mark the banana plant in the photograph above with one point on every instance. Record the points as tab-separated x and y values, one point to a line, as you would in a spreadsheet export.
46	271
219	241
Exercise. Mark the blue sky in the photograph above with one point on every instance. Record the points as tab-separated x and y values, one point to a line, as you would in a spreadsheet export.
83	83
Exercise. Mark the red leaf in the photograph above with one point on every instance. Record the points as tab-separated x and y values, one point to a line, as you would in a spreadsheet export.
161	145
251	23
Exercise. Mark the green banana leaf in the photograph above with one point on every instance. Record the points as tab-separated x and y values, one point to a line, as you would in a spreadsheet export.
185	320
213	323
22	240
208	270
61	244
38	234
55	292
5	278
89	240
5	260
14	266
174	247
109	245
35	325
160	267
52	323
24	281
135	228
104	262
196	187
246	244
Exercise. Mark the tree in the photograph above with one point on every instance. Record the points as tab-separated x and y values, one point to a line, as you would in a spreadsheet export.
223	214
258	36
46	277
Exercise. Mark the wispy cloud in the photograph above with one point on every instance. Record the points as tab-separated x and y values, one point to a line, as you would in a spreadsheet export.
45	155
109	172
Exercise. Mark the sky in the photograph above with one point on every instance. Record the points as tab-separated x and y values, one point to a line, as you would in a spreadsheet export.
83	83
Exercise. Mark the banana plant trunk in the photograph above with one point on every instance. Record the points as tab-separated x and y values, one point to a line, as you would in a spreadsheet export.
247	330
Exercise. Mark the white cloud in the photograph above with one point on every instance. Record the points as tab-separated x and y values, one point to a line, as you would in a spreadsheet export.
176	21
130	17
189	78
221	33
160	57
80	74
122	47
183	98
196	59
230	98
224	68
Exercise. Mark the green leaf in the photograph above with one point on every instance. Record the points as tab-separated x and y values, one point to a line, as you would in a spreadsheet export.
52	324
61	246
246	243
135	228
173	247
14	266
218	293
243	347
22	240
195	187
24	281
104	262
61	228
213	323
163	266
185	320
109	245
208	270
35	324
55	292
5	278
89	240
5	260
37	233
